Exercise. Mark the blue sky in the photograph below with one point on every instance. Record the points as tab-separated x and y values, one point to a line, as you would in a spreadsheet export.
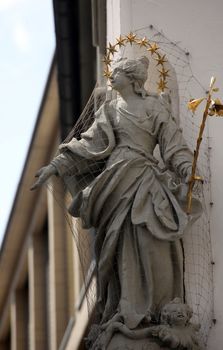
27	45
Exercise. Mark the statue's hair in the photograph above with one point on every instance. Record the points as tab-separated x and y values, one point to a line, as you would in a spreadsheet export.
137	71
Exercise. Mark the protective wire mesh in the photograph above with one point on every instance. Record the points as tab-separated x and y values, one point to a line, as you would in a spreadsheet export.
183	86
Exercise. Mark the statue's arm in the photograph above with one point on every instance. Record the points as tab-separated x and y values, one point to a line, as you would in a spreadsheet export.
61	165
82	156
67	163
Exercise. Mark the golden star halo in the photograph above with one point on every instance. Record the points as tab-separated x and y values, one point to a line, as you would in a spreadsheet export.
153	48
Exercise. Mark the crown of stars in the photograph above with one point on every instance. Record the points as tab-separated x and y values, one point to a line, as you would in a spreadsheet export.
152	48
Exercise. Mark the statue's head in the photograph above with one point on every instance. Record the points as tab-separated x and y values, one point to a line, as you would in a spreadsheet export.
136	70
176	313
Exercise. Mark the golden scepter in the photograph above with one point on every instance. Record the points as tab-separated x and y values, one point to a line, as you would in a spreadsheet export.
212	108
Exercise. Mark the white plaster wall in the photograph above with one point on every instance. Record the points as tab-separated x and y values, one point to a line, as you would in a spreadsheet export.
197	26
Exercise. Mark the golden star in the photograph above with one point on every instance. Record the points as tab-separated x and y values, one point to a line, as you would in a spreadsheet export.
162	85
143	42
153	48
107	60
131	38
120	41
160	59
164	73
111	48
107	73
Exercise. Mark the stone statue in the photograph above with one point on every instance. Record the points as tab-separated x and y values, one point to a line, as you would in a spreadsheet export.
136	208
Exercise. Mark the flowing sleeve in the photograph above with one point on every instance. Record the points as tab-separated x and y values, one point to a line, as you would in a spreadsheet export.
87	154
174	151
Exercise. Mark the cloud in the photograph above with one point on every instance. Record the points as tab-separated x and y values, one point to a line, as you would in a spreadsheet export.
21	37
9	4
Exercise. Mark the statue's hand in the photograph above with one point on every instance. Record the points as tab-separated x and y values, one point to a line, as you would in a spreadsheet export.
198	183
183	190
187	175
43	175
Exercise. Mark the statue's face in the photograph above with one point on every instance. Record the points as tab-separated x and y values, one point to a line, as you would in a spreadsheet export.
175	314
119	80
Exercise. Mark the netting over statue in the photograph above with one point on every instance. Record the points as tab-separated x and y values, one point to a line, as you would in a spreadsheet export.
143	260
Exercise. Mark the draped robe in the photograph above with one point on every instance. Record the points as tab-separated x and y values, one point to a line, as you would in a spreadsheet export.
134	206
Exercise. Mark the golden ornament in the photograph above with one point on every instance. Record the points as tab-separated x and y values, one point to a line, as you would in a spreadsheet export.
160	59
111	48
164	73
107	73
107	60
131	38
143	42
162	85
120	41
153	48
193	104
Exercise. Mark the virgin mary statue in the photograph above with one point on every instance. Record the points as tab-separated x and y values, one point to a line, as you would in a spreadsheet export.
136	208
